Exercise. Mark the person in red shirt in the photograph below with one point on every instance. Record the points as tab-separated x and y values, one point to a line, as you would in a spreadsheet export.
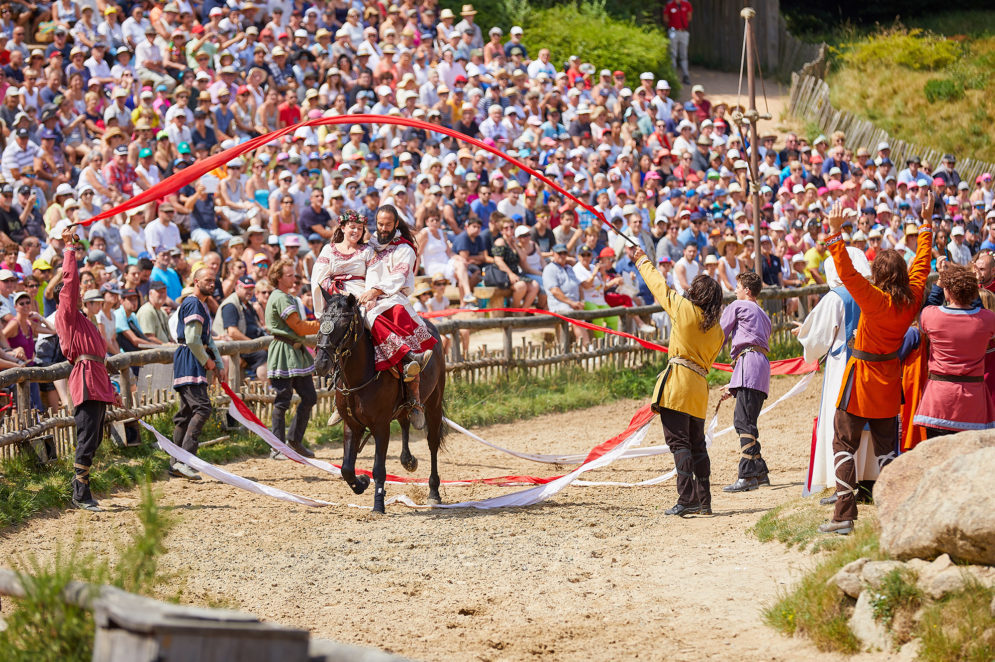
677	16
89	385
289	112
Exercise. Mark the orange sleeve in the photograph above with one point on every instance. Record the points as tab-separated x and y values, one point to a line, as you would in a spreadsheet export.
301	327
869	298
919	269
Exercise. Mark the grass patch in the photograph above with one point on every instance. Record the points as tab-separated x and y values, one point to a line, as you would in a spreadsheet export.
913	82
959	627
795	523
43	628
817	610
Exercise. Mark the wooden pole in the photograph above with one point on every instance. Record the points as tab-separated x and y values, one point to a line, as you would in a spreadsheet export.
753	116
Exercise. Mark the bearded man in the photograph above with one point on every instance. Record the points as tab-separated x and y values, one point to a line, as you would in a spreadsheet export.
193	370
399	334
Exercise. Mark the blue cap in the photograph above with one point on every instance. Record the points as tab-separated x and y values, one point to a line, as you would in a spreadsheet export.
48	134
524	153
691	193
719	192
248	281
327	155
695	216
314	236
517	218
689	106
560	248
314	156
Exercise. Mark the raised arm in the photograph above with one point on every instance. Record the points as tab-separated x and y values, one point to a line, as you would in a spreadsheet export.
919	270
655	281
867	296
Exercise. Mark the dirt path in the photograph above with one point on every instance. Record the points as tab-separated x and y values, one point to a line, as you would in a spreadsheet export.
595	573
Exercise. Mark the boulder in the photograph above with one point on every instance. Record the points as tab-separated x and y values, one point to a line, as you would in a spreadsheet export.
955	577
871	633
950	509
847	579
873	572
992	608
900	478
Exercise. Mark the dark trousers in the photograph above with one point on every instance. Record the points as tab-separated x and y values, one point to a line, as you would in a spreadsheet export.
89	417
846	440
195	409
686	437
284	393
744	419
938	432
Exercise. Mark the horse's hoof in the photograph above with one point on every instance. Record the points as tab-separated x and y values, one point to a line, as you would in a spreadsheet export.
409	463
378	509
362	482
434	500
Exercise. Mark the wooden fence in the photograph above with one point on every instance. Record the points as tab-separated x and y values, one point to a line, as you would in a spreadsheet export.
543	347
716	38
810	101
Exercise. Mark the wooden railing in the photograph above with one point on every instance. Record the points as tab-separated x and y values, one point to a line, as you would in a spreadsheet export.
542	355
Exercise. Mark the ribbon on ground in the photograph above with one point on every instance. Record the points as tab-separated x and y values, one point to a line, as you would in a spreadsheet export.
643	451
792	366
227	477
198	169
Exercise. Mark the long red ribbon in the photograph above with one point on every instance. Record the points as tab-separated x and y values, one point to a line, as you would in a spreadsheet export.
184	177
792	366
639	419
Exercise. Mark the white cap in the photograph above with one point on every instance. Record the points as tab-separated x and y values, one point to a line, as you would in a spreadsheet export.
883	146
515	29
521	231
646	75
883	208
662	84
956	231
64	189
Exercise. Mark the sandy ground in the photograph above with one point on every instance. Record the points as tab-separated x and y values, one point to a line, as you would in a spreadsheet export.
594	573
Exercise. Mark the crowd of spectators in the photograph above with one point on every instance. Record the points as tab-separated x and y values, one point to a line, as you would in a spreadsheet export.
115	98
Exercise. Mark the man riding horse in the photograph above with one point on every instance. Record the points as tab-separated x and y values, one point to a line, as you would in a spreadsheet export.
399	334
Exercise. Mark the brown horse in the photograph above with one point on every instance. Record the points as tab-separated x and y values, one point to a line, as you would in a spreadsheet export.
368	399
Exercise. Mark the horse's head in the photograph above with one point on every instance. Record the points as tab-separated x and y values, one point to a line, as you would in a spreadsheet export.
340	327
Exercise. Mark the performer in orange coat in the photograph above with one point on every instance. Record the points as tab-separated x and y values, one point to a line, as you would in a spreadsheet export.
872	388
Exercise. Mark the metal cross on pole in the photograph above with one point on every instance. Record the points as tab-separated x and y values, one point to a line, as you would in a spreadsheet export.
752	116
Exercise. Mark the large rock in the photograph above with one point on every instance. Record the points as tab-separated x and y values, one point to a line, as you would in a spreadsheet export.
900	478
847	579
937	500
871	633
874	572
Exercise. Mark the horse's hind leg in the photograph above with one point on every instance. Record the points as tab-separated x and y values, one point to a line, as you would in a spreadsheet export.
408	461
381	434
350	442
433	421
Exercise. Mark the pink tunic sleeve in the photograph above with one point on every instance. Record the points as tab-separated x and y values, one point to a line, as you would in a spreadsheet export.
78	336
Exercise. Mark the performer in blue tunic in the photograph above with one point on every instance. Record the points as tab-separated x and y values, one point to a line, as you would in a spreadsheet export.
192	366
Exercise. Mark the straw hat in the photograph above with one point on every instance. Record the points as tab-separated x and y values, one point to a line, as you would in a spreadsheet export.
424	288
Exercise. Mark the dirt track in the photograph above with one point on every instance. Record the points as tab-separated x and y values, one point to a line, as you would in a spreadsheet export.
595	573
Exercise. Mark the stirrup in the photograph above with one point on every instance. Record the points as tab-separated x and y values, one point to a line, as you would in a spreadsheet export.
411	370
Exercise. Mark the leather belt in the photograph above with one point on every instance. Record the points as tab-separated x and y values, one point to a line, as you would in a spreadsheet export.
959	379
688	363
284	339
749	348
868	356
89	357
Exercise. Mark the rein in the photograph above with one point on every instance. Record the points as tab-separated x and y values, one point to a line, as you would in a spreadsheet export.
342	353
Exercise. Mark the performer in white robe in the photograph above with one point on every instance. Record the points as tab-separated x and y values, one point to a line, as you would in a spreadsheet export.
399	334
824	333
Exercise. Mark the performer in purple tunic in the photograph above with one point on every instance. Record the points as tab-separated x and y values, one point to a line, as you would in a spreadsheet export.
747	330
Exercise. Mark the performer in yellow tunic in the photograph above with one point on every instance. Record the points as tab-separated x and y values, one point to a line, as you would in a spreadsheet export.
681	393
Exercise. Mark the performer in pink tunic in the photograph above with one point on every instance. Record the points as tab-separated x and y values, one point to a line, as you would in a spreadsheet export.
399	334
956	396
89	386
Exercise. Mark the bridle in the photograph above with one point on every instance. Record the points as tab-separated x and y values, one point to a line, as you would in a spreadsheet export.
342	350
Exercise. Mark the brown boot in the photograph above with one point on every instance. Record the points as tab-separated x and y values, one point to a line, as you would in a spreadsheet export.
416	413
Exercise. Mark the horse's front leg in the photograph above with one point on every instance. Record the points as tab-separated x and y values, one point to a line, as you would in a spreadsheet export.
350	441
381	434
408	461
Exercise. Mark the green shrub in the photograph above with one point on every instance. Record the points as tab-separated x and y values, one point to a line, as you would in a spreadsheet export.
913	49
589	31
959	627
943	89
